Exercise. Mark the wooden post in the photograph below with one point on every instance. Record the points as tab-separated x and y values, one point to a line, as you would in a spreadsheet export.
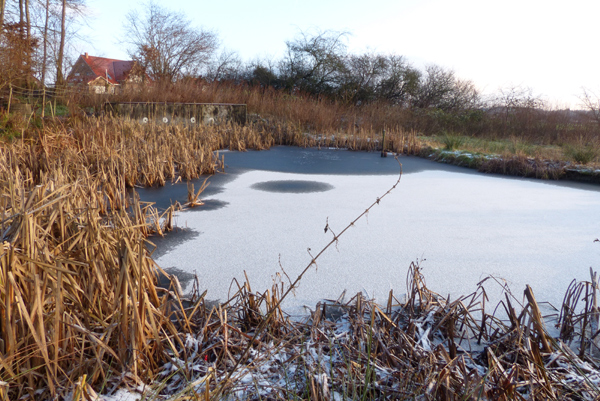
43	101
383	152
9	99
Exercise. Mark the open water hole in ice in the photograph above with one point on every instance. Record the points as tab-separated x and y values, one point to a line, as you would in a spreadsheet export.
271	207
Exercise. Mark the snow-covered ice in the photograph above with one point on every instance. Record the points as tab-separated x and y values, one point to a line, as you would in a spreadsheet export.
465	226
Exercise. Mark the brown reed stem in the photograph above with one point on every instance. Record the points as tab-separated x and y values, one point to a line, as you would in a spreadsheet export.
265	321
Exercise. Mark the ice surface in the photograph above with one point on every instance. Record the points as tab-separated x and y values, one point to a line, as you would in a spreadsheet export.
465	226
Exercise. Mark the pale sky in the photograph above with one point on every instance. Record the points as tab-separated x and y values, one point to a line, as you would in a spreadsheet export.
549	46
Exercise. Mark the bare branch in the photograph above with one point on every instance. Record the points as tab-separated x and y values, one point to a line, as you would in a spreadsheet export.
166	44
591	102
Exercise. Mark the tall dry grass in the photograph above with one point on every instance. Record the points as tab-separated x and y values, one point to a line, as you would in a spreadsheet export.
321	116
79	302
80	309
539	125
127	153
76	285
326	116
423	346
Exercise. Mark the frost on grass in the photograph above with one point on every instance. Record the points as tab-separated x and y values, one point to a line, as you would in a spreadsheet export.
423	346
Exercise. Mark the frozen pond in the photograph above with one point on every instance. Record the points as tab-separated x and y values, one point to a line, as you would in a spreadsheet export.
272	206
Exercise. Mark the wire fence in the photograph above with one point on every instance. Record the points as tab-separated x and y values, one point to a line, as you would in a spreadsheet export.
32	101
48	91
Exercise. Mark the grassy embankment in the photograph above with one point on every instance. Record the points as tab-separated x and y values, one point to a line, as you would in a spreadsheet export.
80	310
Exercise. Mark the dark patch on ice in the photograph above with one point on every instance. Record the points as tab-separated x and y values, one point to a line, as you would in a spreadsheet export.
165	196
293	186
183	277
170	241
209	204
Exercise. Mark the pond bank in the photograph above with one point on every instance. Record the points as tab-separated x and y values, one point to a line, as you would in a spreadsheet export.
519	166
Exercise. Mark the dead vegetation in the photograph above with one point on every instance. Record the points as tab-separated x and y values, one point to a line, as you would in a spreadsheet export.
81	313
79	302
423	346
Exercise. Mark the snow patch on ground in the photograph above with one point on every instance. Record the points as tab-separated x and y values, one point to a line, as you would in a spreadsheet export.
121	395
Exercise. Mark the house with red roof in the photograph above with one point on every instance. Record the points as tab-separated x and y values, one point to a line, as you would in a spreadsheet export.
106	75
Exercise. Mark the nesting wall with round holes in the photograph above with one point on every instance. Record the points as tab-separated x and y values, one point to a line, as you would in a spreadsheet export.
179	113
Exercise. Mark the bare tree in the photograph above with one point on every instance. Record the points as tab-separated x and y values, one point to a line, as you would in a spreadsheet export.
514	98
166	44
518	109
399	82
57	23
314	63
227	65
21	15
369	77
44	32
61	50
361	76
45	41
263	72
17	46
439	88
591	102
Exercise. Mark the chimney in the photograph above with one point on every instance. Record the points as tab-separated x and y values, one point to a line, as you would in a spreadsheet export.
86	55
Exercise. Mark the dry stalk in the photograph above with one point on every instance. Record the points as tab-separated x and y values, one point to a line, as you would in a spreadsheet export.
266	320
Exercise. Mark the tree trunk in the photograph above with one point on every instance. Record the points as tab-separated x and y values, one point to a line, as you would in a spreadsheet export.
29	49
61	50
21	17
2	9
27	21
45	45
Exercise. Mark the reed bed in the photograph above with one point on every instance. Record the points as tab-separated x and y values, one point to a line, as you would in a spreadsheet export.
79	305
278	106
78	300
533	125
422	346
81	312
127	153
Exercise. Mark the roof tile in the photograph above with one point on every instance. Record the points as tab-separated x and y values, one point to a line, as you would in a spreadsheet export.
113	70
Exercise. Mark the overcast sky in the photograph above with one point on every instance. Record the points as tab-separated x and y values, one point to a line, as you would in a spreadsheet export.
549	46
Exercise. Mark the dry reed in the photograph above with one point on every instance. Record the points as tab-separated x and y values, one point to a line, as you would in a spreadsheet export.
423	346
80	311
